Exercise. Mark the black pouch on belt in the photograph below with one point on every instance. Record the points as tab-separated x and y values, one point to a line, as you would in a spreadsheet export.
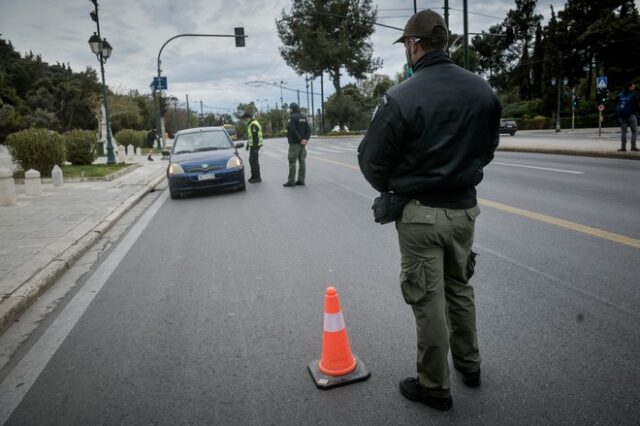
388	207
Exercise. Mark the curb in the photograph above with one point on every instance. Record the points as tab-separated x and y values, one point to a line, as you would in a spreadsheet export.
12	307
561	151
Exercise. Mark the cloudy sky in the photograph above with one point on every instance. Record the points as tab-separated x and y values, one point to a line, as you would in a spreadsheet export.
211	70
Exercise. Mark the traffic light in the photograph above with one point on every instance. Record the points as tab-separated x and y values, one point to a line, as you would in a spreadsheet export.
239	33
575	100
602	96
164	103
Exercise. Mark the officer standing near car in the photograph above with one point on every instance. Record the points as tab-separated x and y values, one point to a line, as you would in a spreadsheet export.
298	134
254	143
428	142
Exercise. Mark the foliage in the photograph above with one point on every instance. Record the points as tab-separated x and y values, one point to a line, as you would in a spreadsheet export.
128	137
93	170
38	149
523	108
328	36
80	146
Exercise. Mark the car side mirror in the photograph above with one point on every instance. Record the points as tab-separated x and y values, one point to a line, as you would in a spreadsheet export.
239	145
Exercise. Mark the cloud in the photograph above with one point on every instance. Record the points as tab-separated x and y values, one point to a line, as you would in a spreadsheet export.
211	69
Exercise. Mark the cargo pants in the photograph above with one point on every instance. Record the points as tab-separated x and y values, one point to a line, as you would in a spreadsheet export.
297	153
437	263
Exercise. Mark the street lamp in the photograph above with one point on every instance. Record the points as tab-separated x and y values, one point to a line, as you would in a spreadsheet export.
102	49
282	83
559	83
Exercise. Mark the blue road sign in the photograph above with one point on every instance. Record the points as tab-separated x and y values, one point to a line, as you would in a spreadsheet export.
601	82
163	83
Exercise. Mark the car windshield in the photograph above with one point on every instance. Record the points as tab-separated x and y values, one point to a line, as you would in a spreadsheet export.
201	141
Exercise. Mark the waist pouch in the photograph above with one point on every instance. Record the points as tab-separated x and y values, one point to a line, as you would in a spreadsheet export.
388	207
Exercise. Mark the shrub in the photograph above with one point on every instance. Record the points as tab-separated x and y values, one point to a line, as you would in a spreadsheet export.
38	149
128	137
80	146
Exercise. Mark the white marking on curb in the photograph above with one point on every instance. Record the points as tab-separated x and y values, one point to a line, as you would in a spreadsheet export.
19	381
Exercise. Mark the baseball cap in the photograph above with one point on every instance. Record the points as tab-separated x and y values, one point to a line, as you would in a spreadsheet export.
424	24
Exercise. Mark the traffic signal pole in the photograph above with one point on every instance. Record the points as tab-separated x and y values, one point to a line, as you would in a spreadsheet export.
239	36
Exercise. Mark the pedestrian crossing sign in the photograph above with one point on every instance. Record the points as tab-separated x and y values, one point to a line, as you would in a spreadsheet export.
601	82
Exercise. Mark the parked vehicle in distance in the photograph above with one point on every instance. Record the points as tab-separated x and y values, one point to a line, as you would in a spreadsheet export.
508	126
204	158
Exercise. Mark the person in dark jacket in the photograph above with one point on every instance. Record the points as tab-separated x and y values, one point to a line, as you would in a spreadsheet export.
428	142
298	134
626	110
152	135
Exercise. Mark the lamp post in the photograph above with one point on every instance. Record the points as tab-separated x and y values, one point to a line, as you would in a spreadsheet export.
558	81
102	49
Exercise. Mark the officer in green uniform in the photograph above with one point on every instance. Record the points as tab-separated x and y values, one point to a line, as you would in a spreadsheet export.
254	143
428	142
298	134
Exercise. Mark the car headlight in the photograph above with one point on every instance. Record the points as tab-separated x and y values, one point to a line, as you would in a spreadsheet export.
175	169
234	162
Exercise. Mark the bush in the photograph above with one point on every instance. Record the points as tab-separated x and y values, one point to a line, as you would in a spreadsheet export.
128	137
80	146
38	149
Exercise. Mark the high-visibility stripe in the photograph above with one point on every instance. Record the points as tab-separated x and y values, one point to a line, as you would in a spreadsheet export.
333	322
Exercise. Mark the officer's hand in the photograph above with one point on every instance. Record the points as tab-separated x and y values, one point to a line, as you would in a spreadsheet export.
304	141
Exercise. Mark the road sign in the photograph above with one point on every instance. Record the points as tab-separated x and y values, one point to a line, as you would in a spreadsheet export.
163	83
601	82
600	107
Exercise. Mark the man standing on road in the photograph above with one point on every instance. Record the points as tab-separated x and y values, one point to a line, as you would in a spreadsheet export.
626	110
254	143
428	142
298	134
152	135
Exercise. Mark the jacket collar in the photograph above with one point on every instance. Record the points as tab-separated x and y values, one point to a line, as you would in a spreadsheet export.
432	58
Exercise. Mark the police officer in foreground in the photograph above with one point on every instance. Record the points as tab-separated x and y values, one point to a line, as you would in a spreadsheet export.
254	143
428	142
298	134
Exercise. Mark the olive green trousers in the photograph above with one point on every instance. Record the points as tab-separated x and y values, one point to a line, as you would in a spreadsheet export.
437	263
297	154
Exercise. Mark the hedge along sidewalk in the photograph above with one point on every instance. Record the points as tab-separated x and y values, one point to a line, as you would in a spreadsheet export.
41	237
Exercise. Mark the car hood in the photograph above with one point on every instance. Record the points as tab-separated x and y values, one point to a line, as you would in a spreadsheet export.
211	157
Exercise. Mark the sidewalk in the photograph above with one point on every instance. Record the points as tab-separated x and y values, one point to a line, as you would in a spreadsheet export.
42	236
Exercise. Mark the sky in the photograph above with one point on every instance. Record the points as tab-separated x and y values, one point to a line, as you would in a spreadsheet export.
211	71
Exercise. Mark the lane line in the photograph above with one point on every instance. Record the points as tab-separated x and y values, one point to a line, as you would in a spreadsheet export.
16	385
538	168
594	232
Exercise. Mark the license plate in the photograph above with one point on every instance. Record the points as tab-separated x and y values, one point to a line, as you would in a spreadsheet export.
208	176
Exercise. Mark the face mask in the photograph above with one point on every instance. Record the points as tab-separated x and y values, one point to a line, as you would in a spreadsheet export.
409	64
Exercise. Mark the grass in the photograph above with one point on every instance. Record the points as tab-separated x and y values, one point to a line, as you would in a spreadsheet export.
92	170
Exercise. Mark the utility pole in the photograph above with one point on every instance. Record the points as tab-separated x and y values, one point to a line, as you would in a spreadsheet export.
446	13
188	113
313	111
298	90
415	7
322	103
465	12
201	113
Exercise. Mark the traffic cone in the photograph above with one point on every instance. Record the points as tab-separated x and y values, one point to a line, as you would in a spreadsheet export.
337	366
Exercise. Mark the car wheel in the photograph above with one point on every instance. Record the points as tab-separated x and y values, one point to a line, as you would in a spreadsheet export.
173	194
242	187
512	133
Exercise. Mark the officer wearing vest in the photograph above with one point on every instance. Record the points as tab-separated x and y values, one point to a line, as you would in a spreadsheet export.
254	142
428	142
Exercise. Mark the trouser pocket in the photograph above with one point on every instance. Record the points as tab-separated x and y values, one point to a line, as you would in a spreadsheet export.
413	282
471	264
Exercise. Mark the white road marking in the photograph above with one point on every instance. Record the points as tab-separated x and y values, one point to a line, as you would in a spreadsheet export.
16	385
538	168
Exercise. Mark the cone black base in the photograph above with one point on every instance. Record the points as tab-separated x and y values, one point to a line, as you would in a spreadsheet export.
324	382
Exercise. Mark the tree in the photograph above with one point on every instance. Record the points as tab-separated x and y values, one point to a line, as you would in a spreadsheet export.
329	36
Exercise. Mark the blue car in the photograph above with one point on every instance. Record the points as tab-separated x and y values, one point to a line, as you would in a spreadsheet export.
204	158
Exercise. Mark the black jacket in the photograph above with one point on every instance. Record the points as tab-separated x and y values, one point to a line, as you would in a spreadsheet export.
298	128
432	134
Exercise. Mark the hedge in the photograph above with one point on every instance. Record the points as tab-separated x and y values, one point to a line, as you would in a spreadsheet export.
128	137
80	146
38	149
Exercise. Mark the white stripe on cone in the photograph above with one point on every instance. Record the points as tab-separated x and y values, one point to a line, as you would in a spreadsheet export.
333	322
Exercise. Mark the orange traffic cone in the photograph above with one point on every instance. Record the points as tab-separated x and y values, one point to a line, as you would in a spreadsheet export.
337	366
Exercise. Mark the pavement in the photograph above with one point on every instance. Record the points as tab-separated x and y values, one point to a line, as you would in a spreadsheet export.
42	236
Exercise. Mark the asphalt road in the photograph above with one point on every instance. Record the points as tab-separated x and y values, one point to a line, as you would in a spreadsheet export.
211	307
